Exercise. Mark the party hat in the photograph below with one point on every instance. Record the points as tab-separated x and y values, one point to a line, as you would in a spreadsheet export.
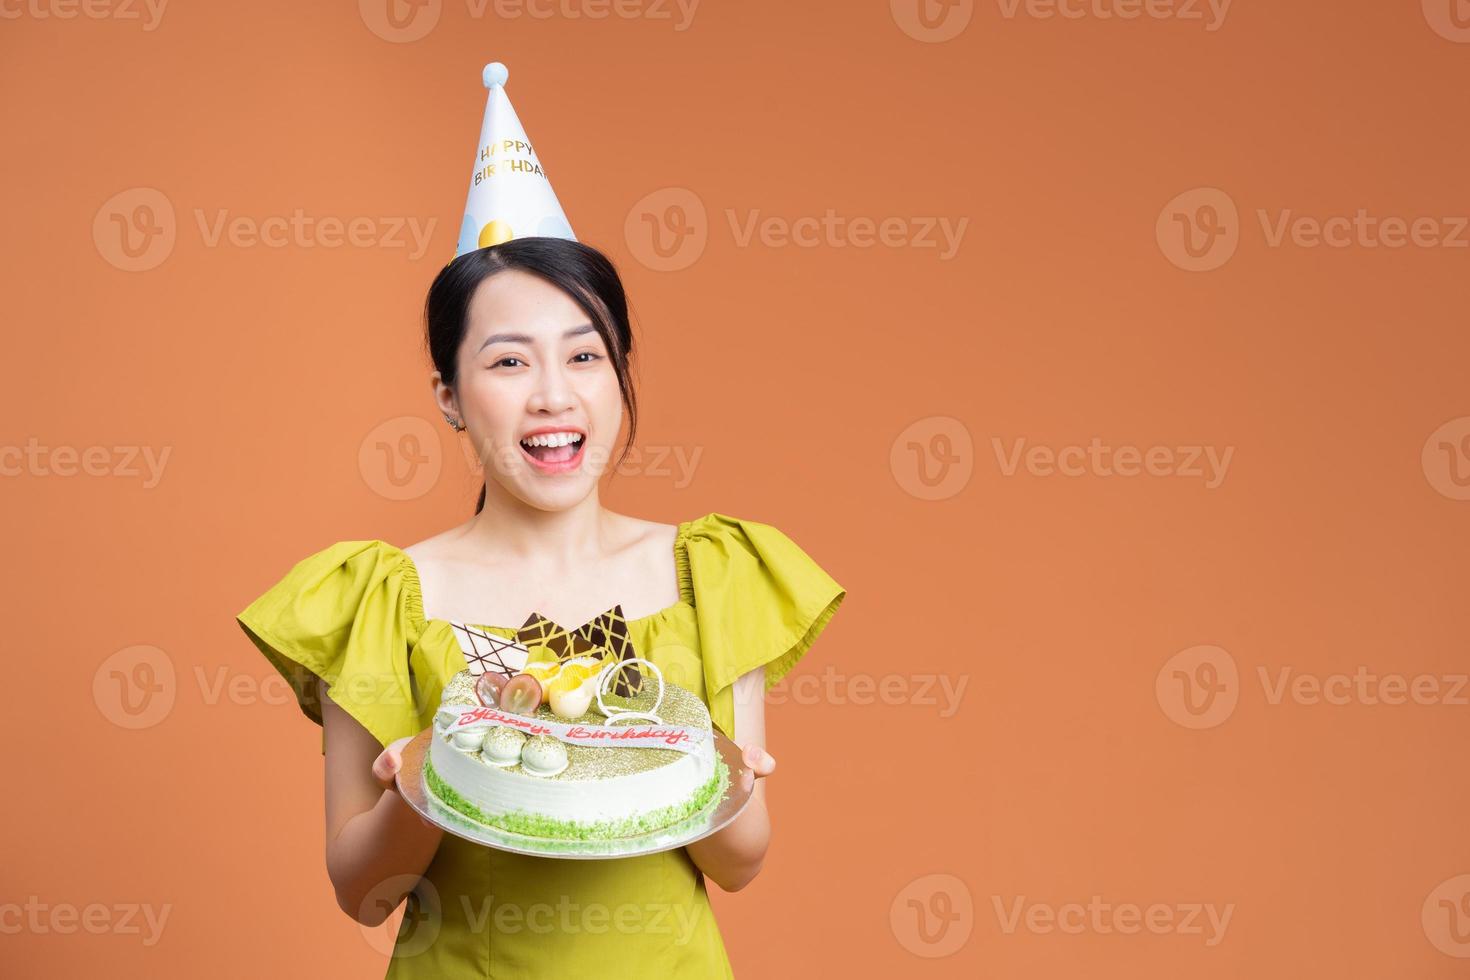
510	196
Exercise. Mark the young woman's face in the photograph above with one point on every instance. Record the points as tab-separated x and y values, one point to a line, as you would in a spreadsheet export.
537	391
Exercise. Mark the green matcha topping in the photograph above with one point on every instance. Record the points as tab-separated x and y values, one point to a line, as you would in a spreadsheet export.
535	825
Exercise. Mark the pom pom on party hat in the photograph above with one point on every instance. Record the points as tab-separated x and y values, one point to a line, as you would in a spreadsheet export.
510	196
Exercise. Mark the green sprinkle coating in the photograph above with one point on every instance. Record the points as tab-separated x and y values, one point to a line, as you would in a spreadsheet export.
536	825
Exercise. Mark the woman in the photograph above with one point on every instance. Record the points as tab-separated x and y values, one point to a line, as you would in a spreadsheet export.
531	343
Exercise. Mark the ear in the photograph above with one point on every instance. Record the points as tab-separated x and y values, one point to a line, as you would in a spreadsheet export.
444	396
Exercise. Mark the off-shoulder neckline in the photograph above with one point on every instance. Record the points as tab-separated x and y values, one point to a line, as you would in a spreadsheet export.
681	572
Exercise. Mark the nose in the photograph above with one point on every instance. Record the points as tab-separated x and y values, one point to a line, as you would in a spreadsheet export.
553	392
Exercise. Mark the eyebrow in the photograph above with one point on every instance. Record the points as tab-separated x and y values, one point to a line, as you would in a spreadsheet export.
521	338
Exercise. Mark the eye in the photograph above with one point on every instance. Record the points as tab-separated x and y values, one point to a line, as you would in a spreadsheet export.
511	361
587	354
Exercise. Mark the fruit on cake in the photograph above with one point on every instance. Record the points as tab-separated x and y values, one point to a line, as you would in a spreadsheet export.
583	741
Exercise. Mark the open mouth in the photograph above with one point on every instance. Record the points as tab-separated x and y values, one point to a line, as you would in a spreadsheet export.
554	449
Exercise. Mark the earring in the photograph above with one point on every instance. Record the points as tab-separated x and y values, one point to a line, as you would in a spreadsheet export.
454	423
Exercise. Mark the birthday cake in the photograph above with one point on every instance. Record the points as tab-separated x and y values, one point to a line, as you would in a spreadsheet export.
568	734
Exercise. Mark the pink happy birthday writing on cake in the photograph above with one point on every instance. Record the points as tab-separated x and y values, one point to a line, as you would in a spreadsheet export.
623	736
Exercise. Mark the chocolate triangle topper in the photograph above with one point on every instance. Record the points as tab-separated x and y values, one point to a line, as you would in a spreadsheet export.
485	651
606	634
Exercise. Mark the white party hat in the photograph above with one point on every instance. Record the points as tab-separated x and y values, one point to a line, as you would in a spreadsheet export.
510	196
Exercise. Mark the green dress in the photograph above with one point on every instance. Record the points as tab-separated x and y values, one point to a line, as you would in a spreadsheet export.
353	615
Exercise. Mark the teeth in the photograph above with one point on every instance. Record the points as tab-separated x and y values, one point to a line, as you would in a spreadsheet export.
553	439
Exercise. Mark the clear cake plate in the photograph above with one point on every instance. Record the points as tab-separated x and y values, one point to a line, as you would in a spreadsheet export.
412	787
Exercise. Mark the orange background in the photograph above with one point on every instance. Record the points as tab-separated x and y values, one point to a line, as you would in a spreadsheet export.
1329	546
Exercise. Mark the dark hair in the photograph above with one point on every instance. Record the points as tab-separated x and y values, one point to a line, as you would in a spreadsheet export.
580	271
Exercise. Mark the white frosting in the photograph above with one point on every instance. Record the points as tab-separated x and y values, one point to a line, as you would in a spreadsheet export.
470	740
544	756
499	791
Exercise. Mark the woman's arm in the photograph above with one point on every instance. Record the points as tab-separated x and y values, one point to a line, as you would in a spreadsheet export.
733	857
375	841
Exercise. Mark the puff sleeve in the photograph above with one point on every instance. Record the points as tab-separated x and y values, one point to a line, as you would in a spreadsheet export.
346	614
759	601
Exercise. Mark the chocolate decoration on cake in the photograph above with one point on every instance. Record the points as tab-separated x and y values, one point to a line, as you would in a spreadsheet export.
486	651
610	631
538	631
605	635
